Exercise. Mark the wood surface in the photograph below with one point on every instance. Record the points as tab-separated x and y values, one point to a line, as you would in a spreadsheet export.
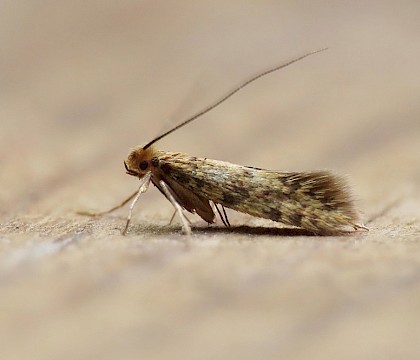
84	82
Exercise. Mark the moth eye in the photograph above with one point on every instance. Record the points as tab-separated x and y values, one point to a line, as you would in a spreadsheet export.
143	165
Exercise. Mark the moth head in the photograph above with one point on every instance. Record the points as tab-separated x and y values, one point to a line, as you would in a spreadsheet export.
139	161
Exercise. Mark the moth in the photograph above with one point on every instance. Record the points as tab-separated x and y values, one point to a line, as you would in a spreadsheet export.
317	201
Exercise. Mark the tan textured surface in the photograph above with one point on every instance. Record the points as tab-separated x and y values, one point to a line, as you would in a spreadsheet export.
83	82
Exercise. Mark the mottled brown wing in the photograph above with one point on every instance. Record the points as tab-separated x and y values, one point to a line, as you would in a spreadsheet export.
317	201
188	200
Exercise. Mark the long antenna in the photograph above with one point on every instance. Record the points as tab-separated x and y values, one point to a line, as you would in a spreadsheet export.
228	95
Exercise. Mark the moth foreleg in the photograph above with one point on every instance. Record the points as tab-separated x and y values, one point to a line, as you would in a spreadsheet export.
144	185
185	226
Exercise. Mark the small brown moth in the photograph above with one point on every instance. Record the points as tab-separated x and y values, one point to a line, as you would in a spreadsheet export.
318	201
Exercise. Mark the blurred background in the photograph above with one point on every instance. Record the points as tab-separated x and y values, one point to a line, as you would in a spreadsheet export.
83	82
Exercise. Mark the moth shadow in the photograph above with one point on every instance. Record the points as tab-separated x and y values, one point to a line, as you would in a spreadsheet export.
254	230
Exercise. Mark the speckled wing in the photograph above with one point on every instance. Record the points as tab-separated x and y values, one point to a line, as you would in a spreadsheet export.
317	201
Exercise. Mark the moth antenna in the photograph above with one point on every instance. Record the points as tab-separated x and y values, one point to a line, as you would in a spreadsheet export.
228	95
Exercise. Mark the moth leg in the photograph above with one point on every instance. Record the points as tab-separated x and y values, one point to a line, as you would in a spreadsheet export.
358	227
173	217
87	213
144	185
220	215
226	217
185	226
223	216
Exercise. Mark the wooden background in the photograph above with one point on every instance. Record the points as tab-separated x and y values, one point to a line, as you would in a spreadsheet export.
82	82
